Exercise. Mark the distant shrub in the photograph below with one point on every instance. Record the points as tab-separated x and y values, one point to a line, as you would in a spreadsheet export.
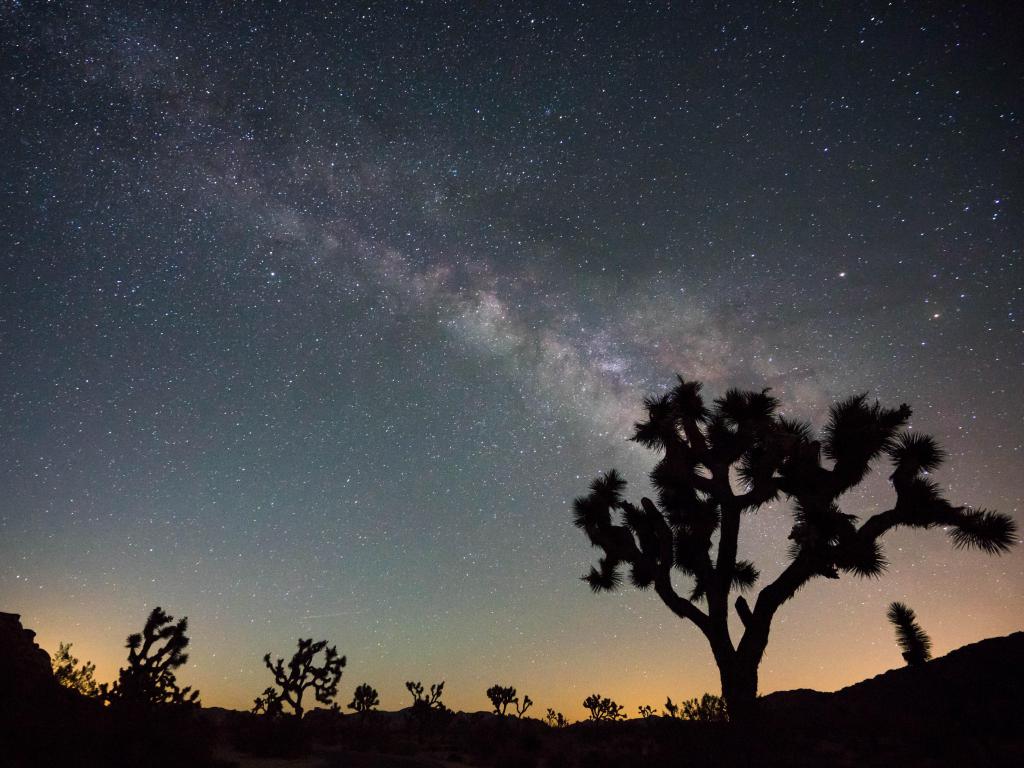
707	709
68	673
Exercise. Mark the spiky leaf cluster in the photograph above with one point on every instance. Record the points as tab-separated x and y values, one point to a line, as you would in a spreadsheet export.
913	642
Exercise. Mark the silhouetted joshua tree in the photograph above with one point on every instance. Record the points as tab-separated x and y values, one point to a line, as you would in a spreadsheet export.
501	697
646	711
555	719
301	674
521	707
421	699
68	673
602	710
267	703
364	699
915	644
153	656
722	462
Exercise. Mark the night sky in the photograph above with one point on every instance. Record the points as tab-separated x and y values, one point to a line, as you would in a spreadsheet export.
315	323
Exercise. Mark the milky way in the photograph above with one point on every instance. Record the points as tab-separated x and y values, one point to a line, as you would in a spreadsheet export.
315	323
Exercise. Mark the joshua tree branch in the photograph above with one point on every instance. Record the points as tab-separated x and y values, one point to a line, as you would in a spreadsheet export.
879	524
680	606
743	610
758	495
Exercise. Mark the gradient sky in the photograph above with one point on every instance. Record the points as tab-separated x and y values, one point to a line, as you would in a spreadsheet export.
315	323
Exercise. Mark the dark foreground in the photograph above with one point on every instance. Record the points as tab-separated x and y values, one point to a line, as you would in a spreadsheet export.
963	709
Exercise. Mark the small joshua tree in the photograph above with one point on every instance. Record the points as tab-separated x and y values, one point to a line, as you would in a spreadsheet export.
602	710
915	644
522	707
501	697
268	703
67	672
555	719
153	656
422	700
721	464
671	708
646	711
301	674
364	699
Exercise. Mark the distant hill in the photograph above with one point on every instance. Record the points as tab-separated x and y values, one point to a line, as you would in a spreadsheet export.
965	708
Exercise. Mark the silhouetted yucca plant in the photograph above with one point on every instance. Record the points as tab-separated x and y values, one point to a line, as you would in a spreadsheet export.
720	463
914	643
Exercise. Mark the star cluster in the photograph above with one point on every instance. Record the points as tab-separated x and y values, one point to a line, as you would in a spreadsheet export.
314	322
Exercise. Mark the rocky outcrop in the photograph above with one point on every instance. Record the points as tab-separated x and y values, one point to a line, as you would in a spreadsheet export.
25	671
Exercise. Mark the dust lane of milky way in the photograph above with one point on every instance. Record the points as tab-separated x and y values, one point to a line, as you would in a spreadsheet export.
315	323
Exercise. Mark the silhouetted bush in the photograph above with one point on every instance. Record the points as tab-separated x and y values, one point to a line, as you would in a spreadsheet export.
69	674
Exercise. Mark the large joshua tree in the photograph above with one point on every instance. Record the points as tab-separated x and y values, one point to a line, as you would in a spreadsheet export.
723	462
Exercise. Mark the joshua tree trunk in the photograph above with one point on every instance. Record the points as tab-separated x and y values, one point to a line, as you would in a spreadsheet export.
739	688
737	666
